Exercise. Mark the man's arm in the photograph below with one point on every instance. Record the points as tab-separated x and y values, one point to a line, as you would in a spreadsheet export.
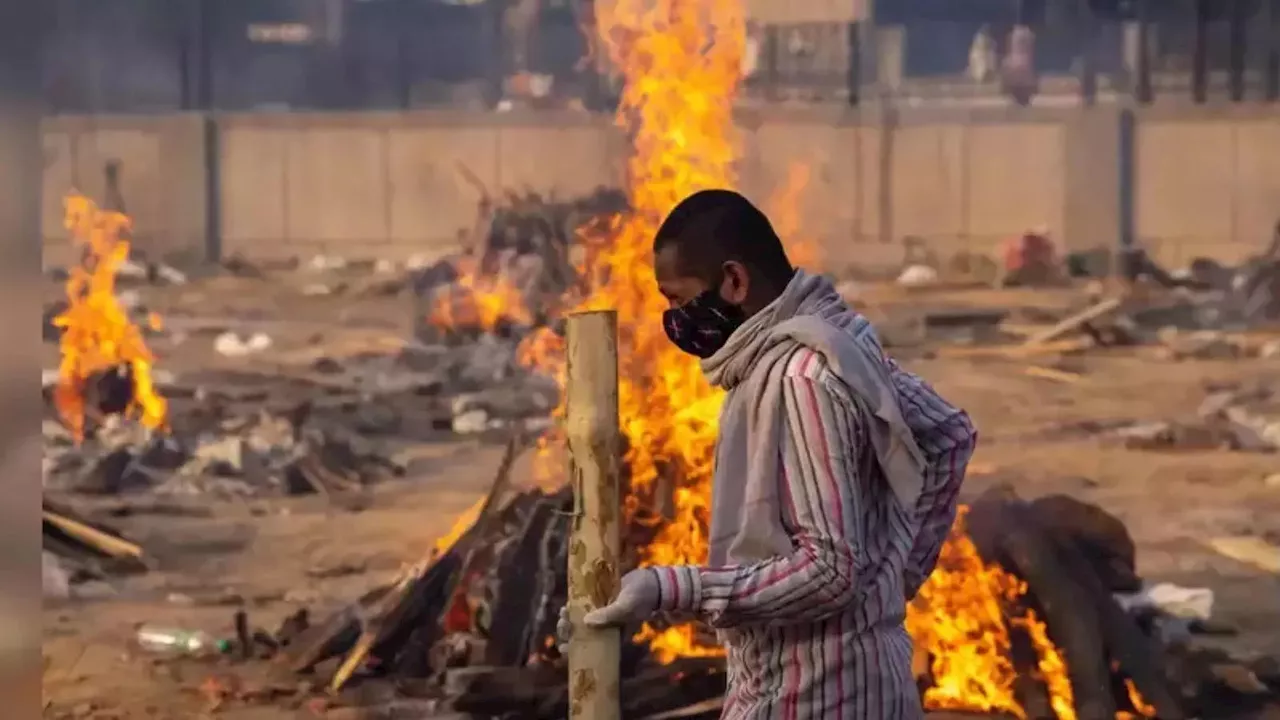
820	508
947	438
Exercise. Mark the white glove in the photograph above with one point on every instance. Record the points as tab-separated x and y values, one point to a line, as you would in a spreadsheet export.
564	631
637	600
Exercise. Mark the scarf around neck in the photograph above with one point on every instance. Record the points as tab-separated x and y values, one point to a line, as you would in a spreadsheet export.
746	519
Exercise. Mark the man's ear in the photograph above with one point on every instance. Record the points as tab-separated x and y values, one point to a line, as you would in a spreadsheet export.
736	284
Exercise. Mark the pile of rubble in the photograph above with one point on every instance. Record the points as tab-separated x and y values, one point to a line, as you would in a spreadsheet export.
1217	296
1244	419
334	429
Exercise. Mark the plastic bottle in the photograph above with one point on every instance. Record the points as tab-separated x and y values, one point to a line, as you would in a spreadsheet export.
176	641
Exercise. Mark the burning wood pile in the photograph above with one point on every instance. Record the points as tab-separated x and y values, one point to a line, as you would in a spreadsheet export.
117	424
517	266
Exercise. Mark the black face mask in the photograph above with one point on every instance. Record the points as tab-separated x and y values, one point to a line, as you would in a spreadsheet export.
703	325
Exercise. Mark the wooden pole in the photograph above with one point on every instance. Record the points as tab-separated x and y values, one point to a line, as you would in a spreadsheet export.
594	445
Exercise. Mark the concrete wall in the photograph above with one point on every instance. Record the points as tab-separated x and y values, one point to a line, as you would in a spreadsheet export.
1207	180
393	184
162	177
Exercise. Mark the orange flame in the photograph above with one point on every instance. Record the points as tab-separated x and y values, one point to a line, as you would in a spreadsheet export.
681	64
478	301
785	213
960	618
97	333
1144	709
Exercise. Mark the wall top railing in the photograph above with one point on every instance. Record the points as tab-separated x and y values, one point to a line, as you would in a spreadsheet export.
159	56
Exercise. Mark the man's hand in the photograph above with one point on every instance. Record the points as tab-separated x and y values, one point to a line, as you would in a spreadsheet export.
564	631
637	599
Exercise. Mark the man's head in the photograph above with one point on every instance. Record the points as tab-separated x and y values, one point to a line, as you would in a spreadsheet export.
718	240
718	261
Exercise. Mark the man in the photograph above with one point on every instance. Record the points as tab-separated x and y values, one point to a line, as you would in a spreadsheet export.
1018	70
982	56
835	481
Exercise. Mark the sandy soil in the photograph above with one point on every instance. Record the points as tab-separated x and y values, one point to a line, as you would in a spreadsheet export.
273	556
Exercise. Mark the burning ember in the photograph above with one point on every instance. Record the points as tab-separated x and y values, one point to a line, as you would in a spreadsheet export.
98	338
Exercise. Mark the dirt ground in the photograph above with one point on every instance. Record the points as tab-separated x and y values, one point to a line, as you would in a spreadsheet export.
273	556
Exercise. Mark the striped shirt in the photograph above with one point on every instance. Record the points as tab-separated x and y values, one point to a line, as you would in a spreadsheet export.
819	633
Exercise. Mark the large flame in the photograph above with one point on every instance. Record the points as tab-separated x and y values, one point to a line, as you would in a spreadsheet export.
680	62
97	334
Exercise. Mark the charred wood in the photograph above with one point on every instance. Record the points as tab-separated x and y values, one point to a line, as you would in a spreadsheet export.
1029	688
395	607
1022	547
551	587
1081	615
1138	655
516	571
527	585
1099	535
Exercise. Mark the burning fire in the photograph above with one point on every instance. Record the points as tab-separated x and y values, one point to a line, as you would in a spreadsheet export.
785	214
479	301
681	64
960	619
98	336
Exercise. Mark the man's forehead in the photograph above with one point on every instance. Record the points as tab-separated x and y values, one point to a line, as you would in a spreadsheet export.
666	262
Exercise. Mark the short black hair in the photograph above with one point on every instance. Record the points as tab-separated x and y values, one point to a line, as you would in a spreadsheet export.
712	227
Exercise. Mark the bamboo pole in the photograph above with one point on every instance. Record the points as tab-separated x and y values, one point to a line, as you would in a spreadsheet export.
594	445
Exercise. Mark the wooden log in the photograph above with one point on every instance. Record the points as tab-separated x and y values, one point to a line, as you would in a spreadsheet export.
1029	688
551	583
594	446
1076	321
410	600
1101	536
1066	607
666	688
94	538
517	571
707	708
1138	656
342	631
656	688
1083	618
